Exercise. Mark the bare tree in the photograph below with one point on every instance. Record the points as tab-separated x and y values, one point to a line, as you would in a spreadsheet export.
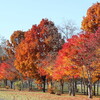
68	28
2	45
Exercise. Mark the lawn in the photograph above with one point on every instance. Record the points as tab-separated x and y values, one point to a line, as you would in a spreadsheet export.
25	95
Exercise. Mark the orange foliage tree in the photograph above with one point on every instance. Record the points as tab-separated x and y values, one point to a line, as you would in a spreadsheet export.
40	40
10	47
91	22
15	39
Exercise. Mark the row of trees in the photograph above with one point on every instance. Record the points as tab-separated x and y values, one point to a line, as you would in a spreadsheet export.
42	54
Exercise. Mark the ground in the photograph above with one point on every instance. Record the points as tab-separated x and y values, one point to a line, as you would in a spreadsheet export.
25	95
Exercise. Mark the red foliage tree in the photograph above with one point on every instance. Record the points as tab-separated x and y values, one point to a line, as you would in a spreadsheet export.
40	40
82	50
8	71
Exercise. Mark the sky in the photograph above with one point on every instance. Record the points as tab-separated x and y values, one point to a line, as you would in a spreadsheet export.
22	14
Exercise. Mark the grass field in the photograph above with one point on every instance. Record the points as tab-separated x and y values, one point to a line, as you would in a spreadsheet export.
25	95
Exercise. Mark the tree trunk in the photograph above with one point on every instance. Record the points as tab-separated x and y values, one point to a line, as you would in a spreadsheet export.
84	85
84	89
87	89
29	85
89	85
51	84
76	90
70	88
94	89
62	86
70	91
44	79
5	82
81	86
98	87
11	84
73	87
90	90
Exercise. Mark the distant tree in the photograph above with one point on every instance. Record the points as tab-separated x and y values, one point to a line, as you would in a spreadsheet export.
10	50
3	55
68	29
2	41
8	72
15	39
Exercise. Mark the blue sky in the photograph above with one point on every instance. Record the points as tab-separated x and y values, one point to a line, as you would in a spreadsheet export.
22	14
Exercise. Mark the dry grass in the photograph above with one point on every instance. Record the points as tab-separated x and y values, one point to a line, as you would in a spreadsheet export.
25	95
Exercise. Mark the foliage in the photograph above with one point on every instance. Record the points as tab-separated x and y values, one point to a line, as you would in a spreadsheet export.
18	85
81	51
41	54
15	39
91	22
39	41
8	71
79	54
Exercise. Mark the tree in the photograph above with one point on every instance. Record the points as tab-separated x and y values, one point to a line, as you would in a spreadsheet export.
65	69
10	47
2	42
15	39
91	22
68	29
40	40
1	52
3	55
8	71
82	51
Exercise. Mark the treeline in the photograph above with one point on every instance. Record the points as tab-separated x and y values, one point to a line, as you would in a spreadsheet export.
42	55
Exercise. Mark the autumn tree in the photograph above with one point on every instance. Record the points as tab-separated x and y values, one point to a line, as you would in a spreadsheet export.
65	69
10	47
8	72
91	22
40	40
83	51
15	39
46	69
55	42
